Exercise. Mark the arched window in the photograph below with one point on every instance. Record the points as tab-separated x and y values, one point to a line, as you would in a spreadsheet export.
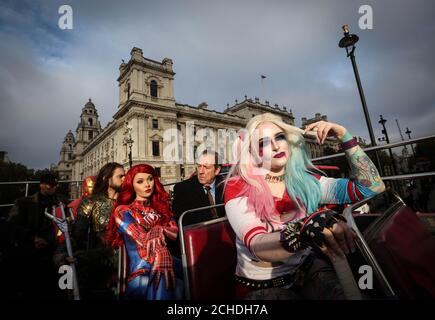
153	88
90	121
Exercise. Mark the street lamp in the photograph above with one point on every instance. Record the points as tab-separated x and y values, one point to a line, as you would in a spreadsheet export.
348	42
128	141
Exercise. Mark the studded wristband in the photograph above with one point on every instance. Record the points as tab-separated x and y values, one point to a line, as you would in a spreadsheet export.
302	234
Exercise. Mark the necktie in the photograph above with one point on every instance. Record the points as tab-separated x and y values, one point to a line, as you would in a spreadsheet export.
214	213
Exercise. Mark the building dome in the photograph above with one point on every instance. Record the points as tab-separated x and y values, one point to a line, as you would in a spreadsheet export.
90	104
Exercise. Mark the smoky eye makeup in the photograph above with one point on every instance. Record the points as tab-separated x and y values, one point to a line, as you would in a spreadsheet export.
264	142
280	137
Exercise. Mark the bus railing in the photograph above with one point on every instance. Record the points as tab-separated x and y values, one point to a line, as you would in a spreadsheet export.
377	148
401	177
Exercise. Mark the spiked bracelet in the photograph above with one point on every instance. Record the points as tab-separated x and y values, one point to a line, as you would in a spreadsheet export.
298	235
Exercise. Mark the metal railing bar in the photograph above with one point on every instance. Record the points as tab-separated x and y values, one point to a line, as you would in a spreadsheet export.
386	146
409	176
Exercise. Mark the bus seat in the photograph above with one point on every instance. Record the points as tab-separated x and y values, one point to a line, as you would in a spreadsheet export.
209	260
405	249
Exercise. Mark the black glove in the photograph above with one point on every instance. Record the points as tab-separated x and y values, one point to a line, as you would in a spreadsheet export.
307	232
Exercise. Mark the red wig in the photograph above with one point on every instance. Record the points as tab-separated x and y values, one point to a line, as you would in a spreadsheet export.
159	201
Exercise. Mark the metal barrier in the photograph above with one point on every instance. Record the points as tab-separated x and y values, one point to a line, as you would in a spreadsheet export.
401	177
376	148
364	247
28	183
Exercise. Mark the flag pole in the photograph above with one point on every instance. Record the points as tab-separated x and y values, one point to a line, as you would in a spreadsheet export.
263	91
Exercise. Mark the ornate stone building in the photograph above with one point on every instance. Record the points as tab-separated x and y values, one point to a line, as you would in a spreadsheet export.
64	167
149	117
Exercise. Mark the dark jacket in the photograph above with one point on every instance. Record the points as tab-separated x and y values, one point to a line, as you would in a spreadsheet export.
27	220
31	272
190	194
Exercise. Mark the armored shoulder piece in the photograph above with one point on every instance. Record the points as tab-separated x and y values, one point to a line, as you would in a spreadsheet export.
85	207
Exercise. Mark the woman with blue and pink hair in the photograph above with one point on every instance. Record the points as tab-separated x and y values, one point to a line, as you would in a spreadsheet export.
275	202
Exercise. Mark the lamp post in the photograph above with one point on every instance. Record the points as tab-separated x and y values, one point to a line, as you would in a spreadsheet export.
128	141
387	140
408	132
348	42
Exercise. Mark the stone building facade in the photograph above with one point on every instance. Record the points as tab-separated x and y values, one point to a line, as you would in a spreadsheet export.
149	122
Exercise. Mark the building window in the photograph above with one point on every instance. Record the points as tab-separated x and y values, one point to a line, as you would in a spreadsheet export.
156	148
155	123
90	135
158	171
153	88
90	122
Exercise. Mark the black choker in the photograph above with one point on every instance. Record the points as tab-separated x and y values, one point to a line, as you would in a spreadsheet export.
274	179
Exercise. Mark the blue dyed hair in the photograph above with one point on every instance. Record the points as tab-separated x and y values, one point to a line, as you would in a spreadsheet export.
302	186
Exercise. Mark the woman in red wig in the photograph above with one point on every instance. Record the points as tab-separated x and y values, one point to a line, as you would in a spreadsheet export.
143	222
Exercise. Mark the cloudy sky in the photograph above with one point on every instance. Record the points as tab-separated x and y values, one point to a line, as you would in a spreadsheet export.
219	49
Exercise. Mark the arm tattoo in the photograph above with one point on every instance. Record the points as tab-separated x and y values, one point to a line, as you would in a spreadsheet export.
363	169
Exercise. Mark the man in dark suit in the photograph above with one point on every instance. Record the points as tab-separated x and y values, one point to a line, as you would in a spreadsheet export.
201	190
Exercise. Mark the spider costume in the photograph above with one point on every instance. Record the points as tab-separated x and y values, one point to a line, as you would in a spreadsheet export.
153	273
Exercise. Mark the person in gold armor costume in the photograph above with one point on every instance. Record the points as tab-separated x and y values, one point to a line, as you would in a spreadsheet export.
95	259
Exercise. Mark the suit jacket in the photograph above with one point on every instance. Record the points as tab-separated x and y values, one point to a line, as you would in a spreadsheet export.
190	194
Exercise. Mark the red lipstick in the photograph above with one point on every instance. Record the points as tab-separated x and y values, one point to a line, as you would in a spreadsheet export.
279	155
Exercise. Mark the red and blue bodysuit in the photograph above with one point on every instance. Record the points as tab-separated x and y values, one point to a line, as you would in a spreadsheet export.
153	273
